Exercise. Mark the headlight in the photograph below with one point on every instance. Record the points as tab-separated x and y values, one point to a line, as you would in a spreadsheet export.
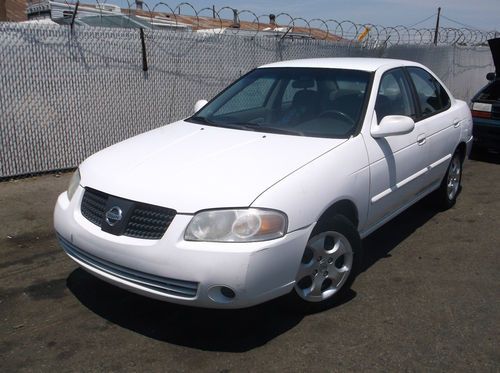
73	183
243	225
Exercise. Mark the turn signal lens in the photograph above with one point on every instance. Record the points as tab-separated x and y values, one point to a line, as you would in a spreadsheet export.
73	183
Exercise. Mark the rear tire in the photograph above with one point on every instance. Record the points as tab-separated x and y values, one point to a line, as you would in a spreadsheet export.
329	265
450	187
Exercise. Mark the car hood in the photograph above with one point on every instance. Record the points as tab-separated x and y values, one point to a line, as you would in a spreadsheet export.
190	167
495	52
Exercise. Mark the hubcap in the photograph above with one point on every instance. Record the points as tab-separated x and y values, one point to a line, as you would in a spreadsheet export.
453	181
325	266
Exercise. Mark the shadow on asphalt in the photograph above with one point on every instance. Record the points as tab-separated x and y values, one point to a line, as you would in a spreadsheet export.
380	243
205	329
224	330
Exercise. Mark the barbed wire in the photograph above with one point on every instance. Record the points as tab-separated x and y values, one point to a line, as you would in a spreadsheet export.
227	20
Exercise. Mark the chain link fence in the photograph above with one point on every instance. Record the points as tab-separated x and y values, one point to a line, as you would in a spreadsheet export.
65	95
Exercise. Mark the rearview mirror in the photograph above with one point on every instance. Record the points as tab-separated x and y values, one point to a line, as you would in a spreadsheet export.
490	76
392	125
199	104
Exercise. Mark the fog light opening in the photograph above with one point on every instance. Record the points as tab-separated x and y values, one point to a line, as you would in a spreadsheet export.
221	294
227	292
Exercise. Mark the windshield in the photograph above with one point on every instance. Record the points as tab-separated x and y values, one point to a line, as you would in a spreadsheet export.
298	101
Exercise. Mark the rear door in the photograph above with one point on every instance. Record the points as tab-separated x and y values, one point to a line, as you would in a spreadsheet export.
442	120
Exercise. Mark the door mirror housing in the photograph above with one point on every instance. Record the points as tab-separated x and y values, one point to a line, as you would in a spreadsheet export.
491	76
199	104
392	125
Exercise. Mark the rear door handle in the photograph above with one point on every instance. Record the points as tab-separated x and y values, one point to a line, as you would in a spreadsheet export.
456	123
421	139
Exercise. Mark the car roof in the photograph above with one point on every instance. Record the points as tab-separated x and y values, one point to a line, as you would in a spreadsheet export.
351	63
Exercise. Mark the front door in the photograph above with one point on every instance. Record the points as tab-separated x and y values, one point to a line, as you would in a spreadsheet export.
397	163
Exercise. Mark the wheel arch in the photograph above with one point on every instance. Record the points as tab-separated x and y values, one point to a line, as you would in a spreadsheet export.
344	207
462	149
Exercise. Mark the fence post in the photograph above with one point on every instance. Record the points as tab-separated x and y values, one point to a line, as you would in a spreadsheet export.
143	45
74	14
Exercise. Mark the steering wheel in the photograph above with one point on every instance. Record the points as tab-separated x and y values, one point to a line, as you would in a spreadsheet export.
338	114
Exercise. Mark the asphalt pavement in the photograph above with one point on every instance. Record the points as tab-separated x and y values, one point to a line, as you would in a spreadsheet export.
428	299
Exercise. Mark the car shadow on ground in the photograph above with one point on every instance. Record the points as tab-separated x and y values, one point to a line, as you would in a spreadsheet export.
205	329
380	243
224	330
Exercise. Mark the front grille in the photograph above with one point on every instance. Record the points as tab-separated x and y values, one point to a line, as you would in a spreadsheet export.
148	222
93	205
142	221
179	288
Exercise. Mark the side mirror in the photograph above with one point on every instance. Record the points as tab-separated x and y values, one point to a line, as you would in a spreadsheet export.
392	125
199	104
490	76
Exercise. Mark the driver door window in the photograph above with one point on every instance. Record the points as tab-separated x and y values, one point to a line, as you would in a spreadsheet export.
393	96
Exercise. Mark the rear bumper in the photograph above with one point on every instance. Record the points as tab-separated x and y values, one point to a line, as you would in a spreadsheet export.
179	271
486	133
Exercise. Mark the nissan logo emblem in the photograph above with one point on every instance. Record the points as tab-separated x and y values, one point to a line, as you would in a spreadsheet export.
113	215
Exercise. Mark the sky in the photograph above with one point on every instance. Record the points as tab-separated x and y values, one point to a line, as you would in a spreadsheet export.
479	14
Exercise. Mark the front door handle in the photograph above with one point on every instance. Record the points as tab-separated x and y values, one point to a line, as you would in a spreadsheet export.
421	139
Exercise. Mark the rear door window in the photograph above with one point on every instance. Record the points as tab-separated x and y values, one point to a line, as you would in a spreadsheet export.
431	95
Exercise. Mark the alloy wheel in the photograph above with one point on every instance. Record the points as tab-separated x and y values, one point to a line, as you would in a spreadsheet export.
325	266
454	174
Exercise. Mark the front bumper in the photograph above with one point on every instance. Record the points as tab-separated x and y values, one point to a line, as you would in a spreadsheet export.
179	271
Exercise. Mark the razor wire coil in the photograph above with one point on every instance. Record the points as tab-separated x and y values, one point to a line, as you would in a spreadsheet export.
248	22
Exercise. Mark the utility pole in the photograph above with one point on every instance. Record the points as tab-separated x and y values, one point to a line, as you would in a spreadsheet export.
436	32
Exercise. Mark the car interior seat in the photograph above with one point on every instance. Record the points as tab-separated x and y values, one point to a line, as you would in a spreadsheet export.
305	103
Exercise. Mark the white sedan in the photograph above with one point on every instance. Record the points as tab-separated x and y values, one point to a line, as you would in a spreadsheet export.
268	188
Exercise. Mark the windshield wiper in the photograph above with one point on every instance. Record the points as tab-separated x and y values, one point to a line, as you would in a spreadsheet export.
234	125
264	128
281	131
246	126
202	120
238	125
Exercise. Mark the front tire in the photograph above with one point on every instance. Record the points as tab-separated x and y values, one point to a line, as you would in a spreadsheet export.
328	266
